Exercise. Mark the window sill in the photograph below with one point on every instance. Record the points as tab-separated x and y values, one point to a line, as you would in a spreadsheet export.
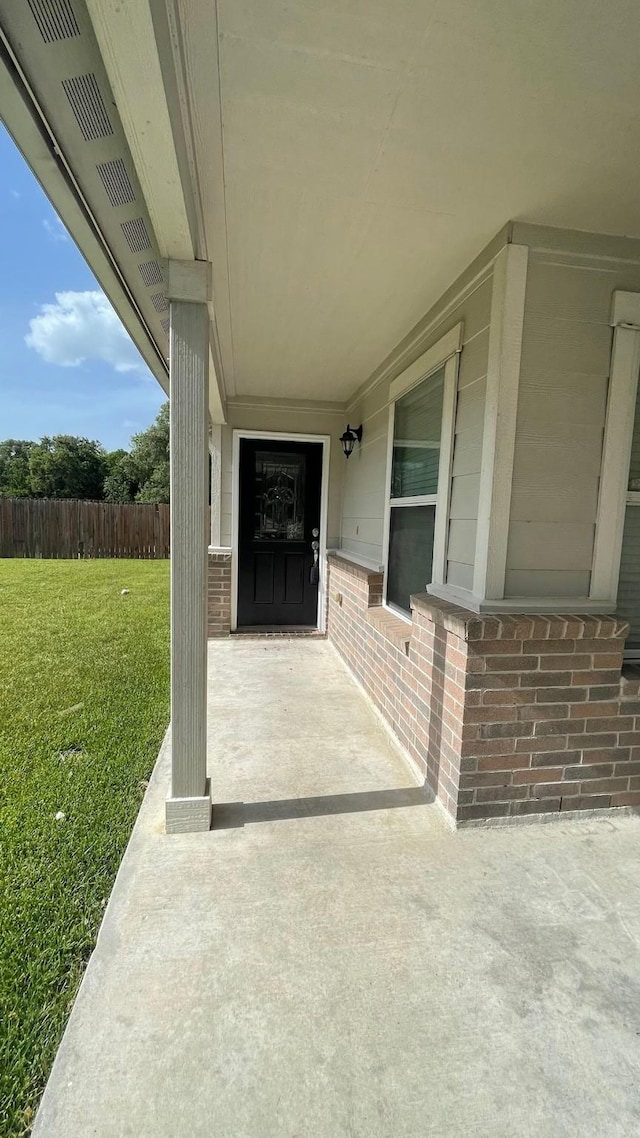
392	627
351	561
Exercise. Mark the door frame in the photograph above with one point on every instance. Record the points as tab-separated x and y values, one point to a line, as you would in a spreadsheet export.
284	436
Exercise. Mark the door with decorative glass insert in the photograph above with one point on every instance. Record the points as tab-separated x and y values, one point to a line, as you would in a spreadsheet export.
278	541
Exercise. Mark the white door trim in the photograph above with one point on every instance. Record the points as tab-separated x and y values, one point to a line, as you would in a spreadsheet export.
286	436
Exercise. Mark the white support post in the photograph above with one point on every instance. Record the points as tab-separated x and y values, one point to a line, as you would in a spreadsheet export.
189	804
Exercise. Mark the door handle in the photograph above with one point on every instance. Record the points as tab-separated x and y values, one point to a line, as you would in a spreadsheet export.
314	572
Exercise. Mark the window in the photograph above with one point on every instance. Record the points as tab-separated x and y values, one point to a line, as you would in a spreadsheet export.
421	422
629	580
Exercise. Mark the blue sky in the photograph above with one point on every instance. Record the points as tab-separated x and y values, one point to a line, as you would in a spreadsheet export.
66	364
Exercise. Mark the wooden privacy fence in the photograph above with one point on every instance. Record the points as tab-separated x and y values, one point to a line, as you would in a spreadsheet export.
56	527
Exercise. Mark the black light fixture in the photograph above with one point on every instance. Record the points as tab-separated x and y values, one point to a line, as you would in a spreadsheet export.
349	439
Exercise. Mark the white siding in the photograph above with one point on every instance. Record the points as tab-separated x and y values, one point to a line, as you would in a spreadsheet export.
364	487
561	413
365	490
566	354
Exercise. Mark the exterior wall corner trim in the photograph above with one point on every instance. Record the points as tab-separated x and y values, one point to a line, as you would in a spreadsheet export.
499	432
616	456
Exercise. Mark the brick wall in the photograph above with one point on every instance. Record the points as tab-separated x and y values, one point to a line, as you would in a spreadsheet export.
505	715
413	672
219	594
547	727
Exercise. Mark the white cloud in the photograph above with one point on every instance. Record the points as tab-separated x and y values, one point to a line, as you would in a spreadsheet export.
55	229
82	326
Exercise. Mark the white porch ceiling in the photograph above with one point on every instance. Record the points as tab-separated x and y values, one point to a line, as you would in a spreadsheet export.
371	149
341	162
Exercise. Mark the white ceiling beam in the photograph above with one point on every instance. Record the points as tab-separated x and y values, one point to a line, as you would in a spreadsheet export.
127	38
127	43
187	33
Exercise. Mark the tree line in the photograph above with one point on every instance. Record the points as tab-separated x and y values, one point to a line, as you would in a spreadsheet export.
65	466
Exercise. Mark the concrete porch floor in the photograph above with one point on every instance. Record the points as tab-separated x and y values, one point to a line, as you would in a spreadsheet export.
331	961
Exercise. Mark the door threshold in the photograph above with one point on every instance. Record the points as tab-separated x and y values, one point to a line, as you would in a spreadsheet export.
279	630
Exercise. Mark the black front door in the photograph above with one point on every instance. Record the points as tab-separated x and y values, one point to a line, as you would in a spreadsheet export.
280	487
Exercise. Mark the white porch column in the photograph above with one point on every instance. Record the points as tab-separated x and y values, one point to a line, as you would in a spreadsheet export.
189	803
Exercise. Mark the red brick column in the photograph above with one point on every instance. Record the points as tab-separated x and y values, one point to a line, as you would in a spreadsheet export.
219	594
505	715
546	728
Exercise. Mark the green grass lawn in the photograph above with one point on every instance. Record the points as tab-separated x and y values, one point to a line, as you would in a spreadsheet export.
84	703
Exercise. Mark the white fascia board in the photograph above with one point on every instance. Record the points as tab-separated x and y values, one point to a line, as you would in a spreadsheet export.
27	132
127	43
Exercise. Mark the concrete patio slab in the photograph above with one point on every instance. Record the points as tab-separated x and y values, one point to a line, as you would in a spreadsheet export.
331	961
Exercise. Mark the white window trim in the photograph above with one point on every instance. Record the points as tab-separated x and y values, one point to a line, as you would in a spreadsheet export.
445	353
417	500
498	447
616	451
434	357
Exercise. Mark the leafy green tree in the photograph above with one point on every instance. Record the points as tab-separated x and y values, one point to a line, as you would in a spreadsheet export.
121	485
142	475
15	475
67	467
150	459
113	458
156	487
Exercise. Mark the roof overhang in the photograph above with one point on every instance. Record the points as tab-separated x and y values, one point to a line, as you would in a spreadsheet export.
31	131
147	62
113	189
339	166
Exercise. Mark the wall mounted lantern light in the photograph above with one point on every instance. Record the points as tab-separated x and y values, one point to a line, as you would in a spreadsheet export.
349	439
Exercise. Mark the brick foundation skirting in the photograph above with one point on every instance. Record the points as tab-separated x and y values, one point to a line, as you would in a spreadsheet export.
219	595
505	715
